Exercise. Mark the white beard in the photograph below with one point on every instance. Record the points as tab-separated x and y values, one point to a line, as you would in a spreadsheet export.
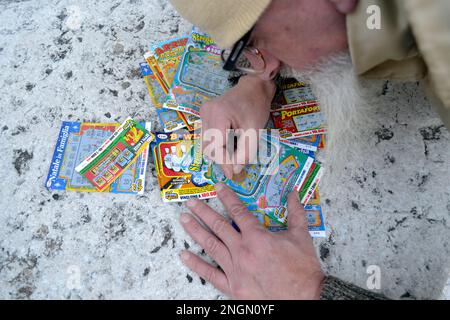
349	118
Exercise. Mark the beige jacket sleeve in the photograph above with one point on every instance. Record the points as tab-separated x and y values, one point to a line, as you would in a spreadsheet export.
413	44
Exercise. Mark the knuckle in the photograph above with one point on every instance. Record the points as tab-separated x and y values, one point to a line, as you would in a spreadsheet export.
218	226
193	264
211	245
211	276
194	226
248	219
237	210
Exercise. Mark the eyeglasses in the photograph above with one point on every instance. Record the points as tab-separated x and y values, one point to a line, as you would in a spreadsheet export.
243	57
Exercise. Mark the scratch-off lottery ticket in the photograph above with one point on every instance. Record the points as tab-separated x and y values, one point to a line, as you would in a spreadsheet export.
316	221
299	121
171	120
180	167
156	92
115	155
199	77
309	143
322	144
308	186
292	92
78	140
296	171
266	187
163	59
251	180
314	215
315	198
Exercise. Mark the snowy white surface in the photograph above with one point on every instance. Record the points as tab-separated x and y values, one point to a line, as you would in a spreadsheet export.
78	60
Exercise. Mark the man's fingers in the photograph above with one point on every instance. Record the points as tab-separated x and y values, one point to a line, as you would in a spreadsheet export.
297	221
215	222
214	144
218	145
213	246
236	209
211	274
246	149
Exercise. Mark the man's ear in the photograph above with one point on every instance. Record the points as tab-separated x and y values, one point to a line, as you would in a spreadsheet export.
345	6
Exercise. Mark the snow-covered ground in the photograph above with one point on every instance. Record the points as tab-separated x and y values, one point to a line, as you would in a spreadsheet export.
78	60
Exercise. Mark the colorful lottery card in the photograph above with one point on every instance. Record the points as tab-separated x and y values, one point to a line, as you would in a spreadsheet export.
323	143
315	198
316	222
180	167
310	183
253	176
156	92
171	120
191	119
296	171
299	121
115	155
309	143
266	187
163	59
78	140
292	92
200	76
314	215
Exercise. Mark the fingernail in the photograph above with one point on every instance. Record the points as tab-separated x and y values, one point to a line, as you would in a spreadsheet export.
185	256
228	171
191	203
218	186
185	218
237	168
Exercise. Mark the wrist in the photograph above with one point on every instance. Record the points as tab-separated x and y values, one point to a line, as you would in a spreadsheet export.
309	289
317	285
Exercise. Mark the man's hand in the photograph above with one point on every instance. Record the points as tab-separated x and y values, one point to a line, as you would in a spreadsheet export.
245	106
255	264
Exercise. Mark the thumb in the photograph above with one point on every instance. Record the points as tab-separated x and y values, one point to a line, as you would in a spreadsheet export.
297	220
246	148
228	170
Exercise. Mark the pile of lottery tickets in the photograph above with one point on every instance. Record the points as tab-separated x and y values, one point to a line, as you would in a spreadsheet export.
181	75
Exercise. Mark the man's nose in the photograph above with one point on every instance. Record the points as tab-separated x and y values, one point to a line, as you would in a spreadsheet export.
273	66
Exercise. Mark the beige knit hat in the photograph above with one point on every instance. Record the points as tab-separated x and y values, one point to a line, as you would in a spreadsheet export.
225	20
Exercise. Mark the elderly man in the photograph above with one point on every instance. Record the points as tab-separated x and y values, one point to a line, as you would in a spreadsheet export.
400	40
